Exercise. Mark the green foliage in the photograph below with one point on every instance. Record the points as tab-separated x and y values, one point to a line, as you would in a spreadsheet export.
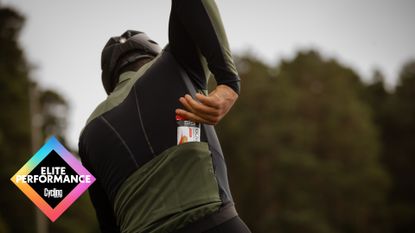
394	113
302	142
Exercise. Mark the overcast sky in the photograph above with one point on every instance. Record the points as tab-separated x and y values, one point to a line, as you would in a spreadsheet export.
64	39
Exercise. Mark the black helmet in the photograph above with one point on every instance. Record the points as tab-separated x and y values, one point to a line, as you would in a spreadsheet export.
123	50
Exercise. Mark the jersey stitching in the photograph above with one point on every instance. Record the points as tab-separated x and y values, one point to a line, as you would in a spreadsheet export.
121	139
141	121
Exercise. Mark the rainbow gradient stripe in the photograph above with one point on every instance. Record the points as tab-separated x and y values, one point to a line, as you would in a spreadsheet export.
53	144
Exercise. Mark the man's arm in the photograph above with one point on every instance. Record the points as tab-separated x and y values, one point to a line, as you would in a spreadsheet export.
198	41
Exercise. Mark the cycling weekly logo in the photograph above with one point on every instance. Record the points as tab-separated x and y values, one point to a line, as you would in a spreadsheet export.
53	179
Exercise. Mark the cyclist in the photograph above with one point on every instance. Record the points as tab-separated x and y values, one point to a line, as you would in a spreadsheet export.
145	181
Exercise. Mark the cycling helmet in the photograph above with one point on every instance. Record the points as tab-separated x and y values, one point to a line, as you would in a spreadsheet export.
123	50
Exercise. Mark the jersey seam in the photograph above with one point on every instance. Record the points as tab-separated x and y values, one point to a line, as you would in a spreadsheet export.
141	121
120	138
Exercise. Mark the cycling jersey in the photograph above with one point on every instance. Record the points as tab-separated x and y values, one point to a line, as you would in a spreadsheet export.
145	182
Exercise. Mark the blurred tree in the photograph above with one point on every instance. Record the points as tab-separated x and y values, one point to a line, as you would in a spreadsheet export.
54	109
396	119
377	97
302	145
3	226
14	122
15	141
302	148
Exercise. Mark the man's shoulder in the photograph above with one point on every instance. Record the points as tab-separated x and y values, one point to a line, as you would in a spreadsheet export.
116	97
103	107
120	92
99	110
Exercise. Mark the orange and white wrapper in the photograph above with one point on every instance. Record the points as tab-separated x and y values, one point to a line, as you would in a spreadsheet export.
187	131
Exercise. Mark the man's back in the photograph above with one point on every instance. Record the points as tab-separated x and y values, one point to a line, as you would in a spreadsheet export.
129	132
137	119
145	182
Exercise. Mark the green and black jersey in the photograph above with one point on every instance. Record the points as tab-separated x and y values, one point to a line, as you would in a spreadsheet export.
145	182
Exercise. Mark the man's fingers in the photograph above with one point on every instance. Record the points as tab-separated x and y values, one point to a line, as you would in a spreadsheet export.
199	112
201	109
186	104
208	109
211	100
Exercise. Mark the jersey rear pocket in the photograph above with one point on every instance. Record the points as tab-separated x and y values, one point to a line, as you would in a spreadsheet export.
175	188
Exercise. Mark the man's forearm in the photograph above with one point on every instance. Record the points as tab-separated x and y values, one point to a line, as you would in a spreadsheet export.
202	21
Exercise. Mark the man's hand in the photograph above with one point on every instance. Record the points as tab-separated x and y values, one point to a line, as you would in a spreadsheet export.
208	109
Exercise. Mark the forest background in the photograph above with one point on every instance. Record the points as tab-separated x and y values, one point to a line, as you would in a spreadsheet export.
310	146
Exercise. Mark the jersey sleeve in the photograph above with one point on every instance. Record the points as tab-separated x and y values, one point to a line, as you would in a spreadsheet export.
198	41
